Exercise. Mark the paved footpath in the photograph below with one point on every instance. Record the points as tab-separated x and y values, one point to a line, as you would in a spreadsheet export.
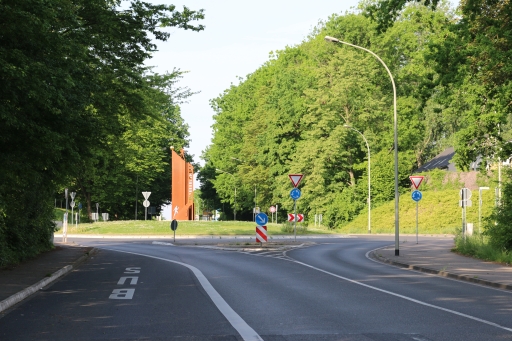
432	256
19	282
435	256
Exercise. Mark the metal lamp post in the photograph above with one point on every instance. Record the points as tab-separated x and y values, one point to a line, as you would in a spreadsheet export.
234	205
369	185
395	128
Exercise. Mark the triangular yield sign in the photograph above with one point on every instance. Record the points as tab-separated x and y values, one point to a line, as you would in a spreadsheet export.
295	178
416	180
146	195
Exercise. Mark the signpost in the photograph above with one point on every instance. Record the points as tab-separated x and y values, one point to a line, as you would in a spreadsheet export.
146	204
416	195
261	228
272	210
72	194
295	194
174	227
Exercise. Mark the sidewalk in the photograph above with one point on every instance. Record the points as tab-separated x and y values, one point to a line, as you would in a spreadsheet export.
27	278
435	257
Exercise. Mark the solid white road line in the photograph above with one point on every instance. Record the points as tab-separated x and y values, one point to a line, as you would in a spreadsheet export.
163	243
408	298
245	331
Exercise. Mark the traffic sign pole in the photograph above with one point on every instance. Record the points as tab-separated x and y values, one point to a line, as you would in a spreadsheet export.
416	196
295	220
417	201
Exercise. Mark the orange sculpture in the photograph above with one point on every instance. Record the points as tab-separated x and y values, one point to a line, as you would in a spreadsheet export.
182	190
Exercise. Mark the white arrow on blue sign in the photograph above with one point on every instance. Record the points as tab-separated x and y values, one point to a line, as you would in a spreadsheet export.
261	219
295	193
416	195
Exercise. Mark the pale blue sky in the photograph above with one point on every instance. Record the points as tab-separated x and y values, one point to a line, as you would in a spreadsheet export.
237	40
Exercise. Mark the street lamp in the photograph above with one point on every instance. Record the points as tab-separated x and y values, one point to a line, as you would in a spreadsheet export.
369	187
395	128
234	205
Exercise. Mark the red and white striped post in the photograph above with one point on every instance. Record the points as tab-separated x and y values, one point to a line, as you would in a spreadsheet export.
261	234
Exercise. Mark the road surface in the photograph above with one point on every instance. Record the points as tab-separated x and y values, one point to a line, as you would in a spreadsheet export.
327	290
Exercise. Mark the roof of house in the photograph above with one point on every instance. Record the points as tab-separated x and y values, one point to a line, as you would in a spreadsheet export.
443	161
440	161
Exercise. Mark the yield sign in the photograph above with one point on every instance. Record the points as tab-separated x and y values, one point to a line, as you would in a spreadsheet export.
295	178
146	195
416	180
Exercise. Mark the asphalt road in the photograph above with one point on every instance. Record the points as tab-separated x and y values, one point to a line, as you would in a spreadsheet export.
136	290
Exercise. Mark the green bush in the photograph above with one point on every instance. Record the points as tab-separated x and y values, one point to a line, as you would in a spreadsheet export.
497	227
26	221
287	227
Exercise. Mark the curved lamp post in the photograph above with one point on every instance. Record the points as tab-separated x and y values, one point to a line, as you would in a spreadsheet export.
234	205
369	187
395	128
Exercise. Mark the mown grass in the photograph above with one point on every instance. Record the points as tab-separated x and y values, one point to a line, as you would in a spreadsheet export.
207	228
478	246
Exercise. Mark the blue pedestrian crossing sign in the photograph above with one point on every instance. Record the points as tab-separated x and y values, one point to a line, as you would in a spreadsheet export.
261	219
416	195
295	193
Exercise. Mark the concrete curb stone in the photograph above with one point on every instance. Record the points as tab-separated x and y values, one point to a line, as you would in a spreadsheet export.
441	273
23	294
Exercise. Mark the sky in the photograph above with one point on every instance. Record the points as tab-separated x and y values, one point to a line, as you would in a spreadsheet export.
237	40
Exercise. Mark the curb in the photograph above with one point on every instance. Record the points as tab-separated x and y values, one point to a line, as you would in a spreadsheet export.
21	295
441	273
244	237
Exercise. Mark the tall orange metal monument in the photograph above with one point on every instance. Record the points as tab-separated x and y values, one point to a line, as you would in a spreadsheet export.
182	189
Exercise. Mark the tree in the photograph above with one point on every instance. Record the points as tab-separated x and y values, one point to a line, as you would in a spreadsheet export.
66	68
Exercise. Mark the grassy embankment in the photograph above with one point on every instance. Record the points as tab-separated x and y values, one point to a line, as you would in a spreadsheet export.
438	213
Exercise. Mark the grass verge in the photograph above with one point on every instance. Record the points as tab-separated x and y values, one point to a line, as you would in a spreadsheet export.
208	228
478	246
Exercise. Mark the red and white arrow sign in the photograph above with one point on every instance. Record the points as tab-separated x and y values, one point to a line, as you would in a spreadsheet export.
295	178
296	217
416	180
261	234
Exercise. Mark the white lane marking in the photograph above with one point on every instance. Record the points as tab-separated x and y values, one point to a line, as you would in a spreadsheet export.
132	270
163	243
367	255
245	331
122	294
407	298
133	280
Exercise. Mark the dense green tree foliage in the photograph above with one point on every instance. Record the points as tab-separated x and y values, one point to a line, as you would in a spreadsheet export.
73	79
289	116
